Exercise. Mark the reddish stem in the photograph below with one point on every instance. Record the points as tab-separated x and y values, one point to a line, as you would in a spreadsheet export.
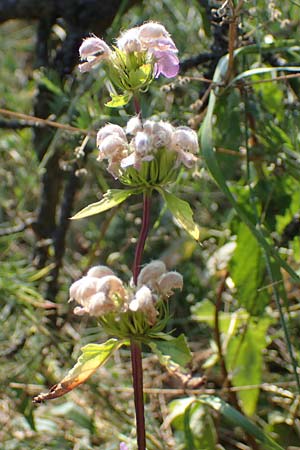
142	237
136	353
137	376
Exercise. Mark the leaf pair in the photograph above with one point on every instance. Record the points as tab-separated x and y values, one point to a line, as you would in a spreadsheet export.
179	208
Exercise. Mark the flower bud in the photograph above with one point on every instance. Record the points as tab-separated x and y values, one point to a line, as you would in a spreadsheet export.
129	41
161	133
185	139
93	50
134	125
81	289
100	304
143	301
112	286
99	271
152	30
112	145
108	130
142	143
150	273
169	281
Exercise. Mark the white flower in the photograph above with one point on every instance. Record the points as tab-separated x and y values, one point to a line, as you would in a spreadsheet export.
81	289
168	282
185	139
143	301
108	130
112	145
97	296
99	271
161	133
129	41
93	50
134	125
142	143
150	274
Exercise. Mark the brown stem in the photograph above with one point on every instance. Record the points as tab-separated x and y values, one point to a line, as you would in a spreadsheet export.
137	376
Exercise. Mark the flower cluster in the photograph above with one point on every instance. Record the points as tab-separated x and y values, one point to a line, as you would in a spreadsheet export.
101	292
145	142
140	54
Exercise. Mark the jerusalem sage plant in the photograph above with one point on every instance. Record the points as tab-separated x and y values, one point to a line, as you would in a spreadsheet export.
147	155
144	156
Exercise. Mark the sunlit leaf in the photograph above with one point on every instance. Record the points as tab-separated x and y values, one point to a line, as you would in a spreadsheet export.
171	352
118	100
112	198
244	360
93	356
182	212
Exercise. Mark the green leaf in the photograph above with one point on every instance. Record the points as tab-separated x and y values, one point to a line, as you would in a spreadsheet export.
93	356
112	198
182	212
204	311
206	136
247	269
199	428
171	352
118	100
139	76
244	360
237	419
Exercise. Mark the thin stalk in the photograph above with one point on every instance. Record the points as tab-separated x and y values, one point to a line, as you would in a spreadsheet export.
136	352
142	237
137	376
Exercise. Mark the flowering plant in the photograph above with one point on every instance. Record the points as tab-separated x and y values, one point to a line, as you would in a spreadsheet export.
143	156
140	54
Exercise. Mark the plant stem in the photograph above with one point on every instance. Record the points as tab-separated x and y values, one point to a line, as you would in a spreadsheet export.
136	353
142	237
137	376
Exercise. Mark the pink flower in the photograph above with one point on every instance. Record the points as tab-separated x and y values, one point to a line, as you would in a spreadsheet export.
153	38
167	64
123	446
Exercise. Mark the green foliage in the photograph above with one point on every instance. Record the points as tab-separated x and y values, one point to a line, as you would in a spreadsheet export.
182	212
248	278
171	352
111	198
244	359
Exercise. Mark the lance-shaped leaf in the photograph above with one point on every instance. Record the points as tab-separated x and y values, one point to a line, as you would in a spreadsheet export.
112	198
171	352
182	212
93	356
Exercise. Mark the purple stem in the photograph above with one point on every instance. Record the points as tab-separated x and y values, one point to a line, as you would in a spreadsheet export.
137	105
137	376
142	237
136	353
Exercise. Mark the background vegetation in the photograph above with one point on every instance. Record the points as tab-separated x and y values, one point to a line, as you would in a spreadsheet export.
240	303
